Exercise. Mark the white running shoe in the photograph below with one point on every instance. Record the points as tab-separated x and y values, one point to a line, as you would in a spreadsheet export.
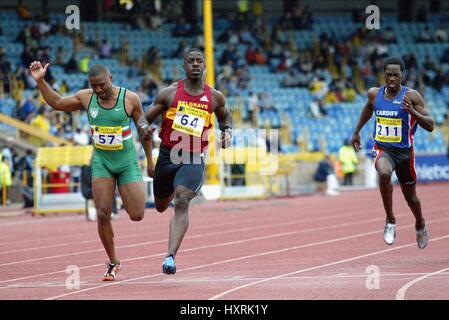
390	233
422	238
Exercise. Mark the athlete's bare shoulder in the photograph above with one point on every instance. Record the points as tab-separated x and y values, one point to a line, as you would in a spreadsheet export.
372	92
84	96
166	95
412	93
218	98
215	92
84	93
132	97
170	89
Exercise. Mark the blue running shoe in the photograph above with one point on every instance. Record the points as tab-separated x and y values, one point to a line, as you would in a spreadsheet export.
168	266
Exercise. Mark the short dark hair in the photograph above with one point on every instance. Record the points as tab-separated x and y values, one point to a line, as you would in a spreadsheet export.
394	60
98	69
193	50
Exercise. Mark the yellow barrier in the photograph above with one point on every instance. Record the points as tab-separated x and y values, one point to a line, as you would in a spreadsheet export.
25	131
52	158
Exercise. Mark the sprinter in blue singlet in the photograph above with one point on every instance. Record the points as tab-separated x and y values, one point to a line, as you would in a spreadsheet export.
398	111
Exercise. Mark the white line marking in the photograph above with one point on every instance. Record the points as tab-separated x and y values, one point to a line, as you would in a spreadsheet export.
263	254
191	237
187	250
224	293
400	295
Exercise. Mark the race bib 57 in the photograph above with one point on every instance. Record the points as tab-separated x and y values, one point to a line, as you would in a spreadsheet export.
108	138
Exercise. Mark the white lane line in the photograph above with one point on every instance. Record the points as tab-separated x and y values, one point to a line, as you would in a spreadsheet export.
162	225
400	295
188	250
60	219
259	255
224	293
191	237
96	240
191	280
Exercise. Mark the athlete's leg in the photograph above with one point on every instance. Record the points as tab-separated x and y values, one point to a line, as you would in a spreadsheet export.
103	190
180	220
409	192
133	197
384	169
162	204
164	175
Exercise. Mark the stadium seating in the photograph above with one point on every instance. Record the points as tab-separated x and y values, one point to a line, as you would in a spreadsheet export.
290	103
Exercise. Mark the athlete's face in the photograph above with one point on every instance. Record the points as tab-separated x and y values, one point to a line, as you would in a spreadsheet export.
102	85
194	65
393	77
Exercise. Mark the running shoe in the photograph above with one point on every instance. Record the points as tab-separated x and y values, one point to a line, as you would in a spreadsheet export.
168	266
422	238
390	233
111	272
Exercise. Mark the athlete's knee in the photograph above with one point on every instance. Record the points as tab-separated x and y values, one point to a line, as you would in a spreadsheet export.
136	216
182	202
103	215
160	207
412	199
384	176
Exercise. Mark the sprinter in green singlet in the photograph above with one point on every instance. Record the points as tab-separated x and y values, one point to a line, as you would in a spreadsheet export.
114	162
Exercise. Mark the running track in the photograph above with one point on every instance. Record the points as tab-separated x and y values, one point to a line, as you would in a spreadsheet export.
310	247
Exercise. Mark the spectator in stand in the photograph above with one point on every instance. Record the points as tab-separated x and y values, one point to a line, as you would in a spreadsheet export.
317	108
253	107
291	79
440	34
182	28
425	35
72	65
27	108
64	88
389	36
60	56
84	64
105	49
181	49
349	93
41	120
250	55
260	57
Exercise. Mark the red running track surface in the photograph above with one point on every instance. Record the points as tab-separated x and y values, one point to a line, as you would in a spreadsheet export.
283	249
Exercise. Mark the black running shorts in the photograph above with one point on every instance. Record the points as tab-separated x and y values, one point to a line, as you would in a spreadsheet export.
402	160
177	169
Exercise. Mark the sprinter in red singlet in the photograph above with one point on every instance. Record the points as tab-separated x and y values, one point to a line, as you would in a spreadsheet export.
186	107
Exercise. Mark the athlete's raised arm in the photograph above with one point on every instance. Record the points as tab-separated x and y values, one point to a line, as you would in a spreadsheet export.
54	99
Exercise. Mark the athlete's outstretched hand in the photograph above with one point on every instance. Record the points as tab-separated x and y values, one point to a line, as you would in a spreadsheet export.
146	133
225	139
37	71
356	142
150	168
